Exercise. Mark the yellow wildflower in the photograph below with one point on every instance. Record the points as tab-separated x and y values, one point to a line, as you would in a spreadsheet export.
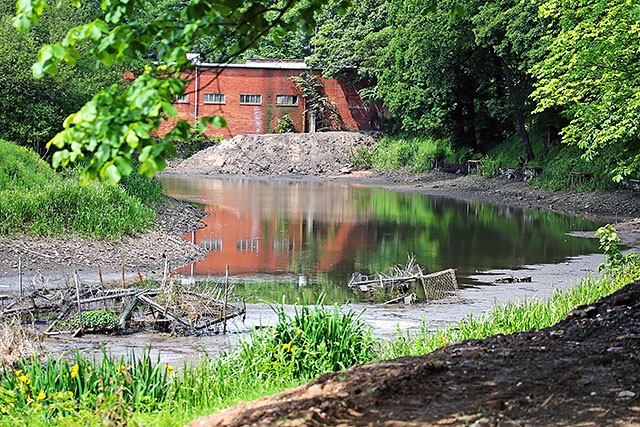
299	331
287	346
122	369
169	368
41	396
24	379
74	371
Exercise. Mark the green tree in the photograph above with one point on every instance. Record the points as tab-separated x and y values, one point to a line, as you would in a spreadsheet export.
432	73
116	125
591	71
510	30
30	109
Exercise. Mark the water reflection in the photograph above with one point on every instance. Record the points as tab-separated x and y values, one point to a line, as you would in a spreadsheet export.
313	235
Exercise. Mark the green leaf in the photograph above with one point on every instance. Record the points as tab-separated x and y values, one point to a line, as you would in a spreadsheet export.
215	121
112	174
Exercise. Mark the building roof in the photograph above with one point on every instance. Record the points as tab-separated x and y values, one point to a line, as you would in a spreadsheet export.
260	63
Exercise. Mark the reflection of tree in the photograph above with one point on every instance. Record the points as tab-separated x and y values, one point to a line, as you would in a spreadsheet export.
333	230
445	233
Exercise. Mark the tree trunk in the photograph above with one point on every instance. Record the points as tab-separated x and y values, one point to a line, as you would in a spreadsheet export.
526	144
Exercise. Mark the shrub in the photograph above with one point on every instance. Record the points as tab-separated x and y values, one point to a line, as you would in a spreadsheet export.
92	319
285	124
361	159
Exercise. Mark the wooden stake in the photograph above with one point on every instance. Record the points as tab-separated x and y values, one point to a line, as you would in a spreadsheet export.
75	277
20	276
123	285
164	275
102	286
226	299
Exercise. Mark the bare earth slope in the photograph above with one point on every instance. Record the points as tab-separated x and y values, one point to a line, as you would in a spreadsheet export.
584	371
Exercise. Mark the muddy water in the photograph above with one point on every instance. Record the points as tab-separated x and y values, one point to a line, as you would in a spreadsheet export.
385	320
303	238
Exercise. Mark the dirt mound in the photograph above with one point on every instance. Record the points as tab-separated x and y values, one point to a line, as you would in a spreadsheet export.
321	153
582	371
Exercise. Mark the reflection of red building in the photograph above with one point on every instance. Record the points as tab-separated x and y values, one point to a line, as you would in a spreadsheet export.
267	232
253	96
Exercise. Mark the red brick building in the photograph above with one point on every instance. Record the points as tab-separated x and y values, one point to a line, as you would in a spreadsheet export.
253	96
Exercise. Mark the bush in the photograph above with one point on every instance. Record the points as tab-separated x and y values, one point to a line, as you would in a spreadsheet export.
92	319
285	124
311	342
362	159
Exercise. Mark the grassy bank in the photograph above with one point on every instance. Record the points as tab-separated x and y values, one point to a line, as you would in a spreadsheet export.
419	154
302	346
38	201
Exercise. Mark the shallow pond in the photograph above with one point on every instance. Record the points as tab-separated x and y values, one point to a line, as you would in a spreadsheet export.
302	238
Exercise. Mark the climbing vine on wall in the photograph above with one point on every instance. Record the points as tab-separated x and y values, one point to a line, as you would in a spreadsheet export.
318	104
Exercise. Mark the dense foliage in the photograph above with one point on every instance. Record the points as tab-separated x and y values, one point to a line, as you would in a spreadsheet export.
32	110
473	73
116	127
482	72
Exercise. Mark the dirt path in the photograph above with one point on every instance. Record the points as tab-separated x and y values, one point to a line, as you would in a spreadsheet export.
583	371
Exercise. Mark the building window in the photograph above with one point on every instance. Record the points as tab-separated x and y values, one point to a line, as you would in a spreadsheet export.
184	99
251	99
211	245
214	98
291	100
245	245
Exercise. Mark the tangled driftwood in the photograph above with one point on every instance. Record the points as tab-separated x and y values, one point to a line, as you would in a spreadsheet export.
170	307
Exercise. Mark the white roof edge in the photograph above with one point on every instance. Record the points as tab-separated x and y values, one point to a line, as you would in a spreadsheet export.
280	65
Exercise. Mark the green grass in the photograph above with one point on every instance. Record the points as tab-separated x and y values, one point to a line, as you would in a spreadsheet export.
22	168
303	345
414	153
417	154
37	201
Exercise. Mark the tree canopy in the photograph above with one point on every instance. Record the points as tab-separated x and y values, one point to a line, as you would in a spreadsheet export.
475	72
31	109
591	72
116	125
482	71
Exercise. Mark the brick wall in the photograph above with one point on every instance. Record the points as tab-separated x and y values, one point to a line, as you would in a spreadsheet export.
269	80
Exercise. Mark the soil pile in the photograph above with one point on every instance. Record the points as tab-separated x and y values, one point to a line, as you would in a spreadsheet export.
321	153
582	371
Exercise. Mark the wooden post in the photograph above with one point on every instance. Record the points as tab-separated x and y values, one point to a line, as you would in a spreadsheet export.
75	277
20	276
102	286
123	276
164	274
226	299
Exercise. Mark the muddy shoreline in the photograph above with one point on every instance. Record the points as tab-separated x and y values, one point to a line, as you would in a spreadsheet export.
53	261
384	320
